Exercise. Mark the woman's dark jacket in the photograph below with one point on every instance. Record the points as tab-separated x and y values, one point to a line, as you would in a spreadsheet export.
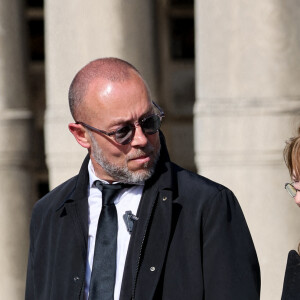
291	285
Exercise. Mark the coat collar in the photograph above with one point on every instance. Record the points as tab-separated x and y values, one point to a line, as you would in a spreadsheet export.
79	191
75	204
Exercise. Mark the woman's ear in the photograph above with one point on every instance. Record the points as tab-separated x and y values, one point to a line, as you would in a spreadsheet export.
80	134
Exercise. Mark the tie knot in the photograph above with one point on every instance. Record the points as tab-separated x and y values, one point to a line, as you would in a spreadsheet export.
109	191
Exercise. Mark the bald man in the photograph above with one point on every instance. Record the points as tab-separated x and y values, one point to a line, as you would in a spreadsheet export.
177	235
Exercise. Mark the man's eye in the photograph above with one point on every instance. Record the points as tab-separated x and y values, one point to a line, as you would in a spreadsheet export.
123	131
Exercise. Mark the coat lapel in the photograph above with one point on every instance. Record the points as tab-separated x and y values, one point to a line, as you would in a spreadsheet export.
155	247
151	233
75	206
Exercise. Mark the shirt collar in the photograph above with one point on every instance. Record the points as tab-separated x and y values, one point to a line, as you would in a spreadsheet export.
92	175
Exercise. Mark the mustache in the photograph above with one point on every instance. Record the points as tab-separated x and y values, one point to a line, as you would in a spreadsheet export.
147	150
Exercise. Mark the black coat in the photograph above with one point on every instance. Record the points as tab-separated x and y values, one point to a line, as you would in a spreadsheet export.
291	285
191	241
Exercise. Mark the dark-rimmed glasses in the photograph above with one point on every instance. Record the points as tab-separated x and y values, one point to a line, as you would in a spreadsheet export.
125	134
291	189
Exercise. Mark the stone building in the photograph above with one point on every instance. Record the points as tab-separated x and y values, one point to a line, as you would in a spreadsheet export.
226	73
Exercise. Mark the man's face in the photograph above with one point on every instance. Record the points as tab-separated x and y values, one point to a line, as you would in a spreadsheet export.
111	105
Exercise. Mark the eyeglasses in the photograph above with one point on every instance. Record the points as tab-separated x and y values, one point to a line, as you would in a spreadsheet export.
291	189
125	134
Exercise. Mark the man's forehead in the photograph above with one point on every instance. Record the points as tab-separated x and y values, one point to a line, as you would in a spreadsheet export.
105	95
106	85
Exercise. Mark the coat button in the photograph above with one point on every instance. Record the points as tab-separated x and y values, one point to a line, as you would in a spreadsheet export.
152	269
164	198
76	278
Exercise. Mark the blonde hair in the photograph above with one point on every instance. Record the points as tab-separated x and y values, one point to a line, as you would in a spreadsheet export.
291	156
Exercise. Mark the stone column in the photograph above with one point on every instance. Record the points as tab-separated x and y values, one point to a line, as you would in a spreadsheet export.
75	35
15	140
247	105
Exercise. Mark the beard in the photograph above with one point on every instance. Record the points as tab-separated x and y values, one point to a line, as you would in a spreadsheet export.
121	173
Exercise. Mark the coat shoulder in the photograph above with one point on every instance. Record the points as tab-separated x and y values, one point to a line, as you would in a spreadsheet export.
55	198
198	191
190	182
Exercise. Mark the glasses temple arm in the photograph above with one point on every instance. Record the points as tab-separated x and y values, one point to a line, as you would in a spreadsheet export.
159	108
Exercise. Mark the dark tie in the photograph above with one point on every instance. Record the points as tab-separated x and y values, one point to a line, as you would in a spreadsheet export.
103	276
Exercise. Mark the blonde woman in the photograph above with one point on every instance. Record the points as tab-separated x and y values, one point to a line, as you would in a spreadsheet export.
291	286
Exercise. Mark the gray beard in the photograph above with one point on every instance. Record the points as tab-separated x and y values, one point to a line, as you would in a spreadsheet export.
122	173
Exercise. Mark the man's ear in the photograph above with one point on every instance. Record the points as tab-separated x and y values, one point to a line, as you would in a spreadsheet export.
80	135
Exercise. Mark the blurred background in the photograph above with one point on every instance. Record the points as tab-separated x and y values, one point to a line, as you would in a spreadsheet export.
226	73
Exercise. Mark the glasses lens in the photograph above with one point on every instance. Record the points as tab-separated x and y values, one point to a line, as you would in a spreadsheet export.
124	135
151	124
291	190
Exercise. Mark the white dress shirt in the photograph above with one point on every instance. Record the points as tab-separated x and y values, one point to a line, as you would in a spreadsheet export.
127	199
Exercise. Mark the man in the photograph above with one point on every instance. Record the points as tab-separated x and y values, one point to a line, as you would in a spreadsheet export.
179	235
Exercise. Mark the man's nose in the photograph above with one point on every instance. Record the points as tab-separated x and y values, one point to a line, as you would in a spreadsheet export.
139	138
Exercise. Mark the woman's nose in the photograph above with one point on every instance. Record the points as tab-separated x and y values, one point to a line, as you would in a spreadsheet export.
297	197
